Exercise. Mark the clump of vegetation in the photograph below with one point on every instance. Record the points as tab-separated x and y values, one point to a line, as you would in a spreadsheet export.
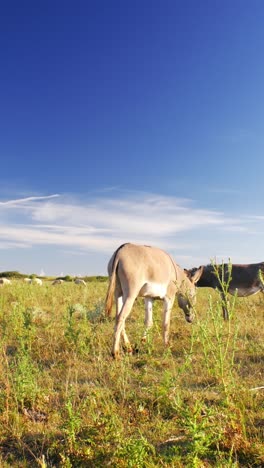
67	278
65	402
12	274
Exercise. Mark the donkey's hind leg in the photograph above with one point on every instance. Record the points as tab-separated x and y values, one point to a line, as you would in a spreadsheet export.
119	305
120	326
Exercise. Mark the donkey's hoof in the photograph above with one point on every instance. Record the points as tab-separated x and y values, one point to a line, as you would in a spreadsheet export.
115	355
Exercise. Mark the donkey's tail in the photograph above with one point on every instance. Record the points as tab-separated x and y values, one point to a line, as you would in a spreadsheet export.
112	282
111	289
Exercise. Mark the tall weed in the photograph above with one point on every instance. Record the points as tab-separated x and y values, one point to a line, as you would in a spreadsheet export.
219	337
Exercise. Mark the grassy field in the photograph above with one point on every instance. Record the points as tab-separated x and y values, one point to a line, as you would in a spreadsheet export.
64	402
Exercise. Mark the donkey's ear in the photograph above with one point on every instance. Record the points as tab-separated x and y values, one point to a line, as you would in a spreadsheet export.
189	273
196	274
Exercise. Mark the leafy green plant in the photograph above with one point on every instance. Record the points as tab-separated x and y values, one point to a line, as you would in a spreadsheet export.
72	332
134	452
200	430
96	314
72	421
23	375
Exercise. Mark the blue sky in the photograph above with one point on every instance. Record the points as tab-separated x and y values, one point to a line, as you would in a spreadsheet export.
135	121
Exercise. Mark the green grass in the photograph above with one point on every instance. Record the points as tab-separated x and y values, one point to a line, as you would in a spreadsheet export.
64	402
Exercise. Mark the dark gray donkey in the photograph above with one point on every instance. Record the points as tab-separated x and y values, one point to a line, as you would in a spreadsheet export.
243	280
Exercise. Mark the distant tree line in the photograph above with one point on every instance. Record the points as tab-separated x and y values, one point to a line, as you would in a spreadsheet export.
18	275
87	279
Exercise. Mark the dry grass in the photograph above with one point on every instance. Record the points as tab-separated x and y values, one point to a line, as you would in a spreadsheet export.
65	403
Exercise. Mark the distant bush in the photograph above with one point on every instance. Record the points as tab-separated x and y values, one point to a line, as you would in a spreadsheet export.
94	278
12	274
67	278
64	278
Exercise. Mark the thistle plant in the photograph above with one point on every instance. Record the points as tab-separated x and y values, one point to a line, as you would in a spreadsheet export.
219	337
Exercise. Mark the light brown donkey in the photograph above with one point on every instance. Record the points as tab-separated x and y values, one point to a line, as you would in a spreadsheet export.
144	271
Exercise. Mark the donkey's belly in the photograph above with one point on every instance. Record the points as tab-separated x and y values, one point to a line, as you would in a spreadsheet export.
153	290
243	292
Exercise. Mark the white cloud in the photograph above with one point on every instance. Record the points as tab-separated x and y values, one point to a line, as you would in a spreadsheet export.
236	228
101	224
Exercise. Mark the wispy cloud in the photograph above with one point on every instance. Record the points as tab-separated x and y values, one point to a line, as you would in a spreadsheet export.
255	218
4	244
101	224
27	199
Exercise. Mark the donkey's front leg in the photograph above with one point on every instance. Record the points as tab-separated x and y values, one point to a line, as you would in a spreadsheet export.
167	306
148	316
